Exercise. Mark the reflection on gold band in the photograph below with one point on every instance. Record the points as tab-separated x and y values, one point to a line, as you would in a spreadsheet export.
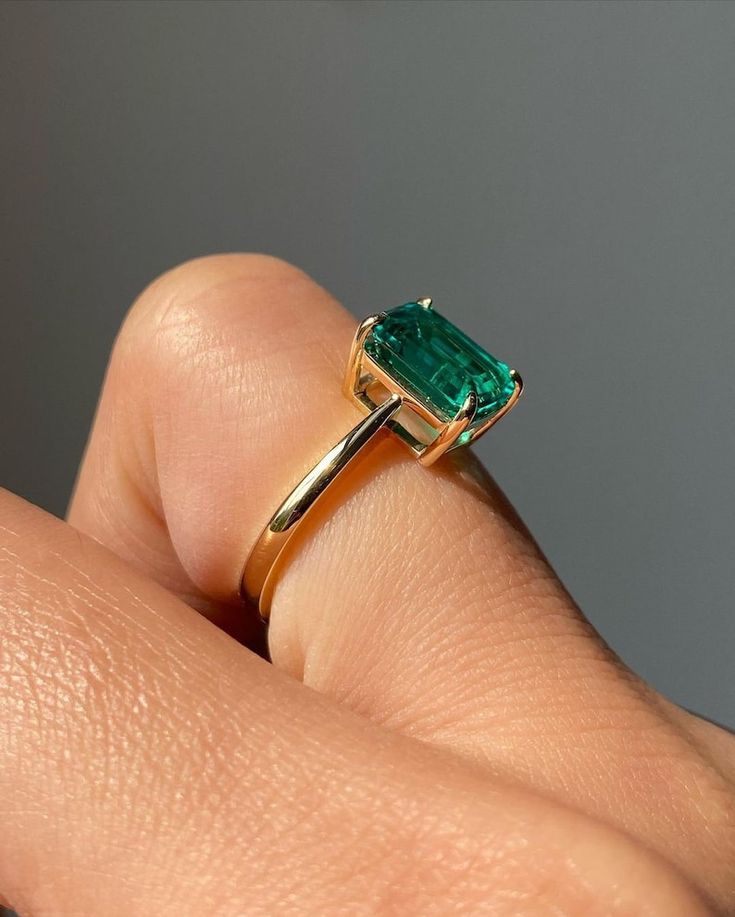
258	574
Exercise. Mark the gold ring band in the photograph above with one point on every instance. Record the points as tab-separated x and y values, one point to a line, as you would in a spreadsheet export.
258	576
419	377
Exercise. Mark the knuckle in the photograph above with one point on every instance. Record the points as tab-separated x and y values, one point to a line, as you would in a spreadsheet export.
183	295
205	315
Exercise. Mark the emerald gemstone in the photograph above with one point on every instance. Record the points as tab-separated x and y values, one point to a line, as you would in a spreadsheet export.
438	364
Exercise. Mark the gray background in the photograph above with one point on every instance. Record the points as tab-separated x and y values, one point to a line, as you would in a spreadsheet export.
559	176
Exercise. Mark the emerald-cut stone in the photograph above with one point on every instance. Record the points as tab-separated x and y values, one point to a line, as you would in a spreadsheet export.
438	364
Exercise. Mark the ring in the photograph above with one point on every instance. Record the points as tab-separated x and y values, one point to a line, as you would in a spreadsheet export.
419	377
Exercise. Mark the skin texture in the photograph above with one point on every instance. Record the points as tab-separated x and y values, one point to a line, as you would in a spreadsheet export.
441	730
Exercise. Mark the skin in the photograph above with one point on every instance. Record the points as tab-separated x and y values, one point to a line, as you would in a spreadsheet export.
441	730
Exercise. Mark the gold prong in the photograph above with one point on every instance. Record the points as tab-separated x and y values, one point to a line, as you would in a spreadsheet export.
516	377
354	362
451	432
510	403
426	302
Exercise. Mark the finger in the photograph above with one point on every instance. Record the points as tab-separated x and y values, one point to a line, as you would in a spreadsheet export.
152	765
417	597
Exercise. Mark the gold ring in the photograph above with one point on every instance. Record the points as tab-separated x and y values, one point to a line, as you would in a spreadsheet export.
416	375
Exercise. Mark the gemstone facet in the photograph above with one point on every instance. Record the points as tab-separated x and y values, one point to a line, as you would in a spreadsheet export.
438	364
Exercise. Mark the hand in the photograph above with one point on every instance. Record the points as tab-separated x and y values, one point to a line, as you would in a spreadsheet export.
441	731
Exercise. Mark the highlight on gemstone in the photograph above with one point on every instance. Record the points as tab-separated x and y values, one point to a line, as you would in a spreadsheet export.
438	364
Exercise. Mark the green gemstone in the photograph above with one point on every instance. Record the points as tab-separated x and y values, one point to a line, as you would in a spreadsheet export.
438	364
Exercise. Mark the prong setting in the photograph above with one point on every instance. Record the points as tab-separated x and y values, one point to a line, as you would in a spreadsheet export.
450	433
354	363
509	404
422	425
468	410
